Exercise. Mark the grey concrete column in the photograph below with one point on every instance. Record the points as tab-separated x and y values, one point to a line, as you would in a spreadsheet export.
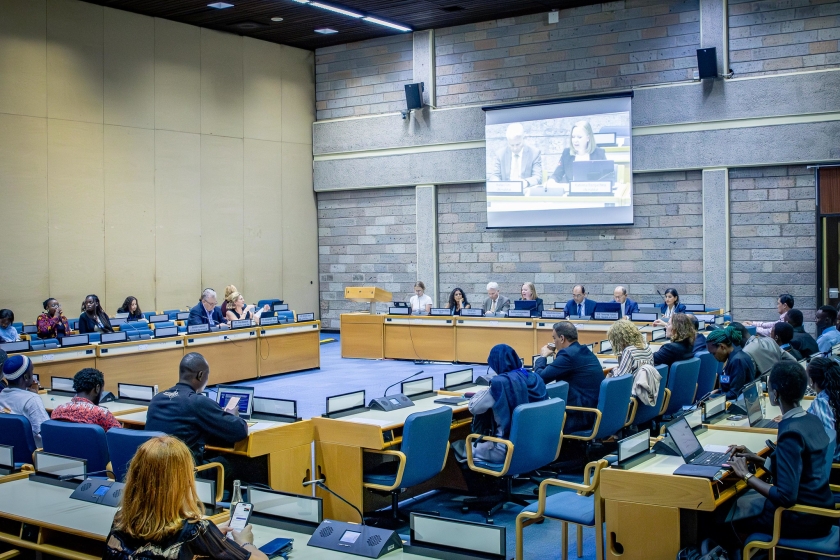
427	246
716	238
714	31
424	64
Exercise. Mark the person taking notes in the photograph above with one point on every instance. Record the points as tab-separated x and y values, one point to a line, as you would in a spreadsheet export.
579	305
206	312
628	306
421	304
495	302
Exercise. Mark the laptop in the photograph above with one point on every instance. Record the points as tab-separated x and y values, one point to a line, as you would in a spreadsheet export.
528	304
245	395
690	449
752	401
606	347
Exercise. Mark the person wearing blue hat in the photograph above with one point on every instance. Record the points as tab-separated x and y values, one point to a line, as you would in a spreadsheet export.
17	398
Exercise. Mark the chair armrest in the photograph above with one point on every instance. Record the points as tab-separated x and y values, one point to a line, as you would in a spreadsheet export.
777	526
400	470
666	400
14	553
220	477
595	427
111	474
584	489
508	454
632	408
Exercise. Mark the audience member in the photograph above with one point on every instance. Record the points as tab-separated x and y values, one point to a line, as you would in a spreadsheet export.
783	305
53	323
3	382
578	366
228	290
579	305
827	334
131	307
802	341
700	339
782	334
628	306
237	310
495	302
630	345
7	332
739	368
84	407
763	350
20	397
680	330
169	522
457	301
529	293
206	312
93	318
669	307
824	378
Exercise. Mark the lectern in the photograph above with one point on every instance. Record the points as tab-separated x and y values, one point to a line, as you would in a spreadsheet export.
367	294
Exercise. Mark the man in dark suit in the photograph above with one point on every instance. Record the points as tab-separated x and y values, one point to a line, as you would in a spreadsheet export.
518	161
802	341
700	340
576	365
628	306
206	312
579	305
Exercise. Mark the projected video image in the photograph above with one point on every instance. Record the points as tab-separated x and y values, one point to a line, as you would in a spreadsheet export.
571	165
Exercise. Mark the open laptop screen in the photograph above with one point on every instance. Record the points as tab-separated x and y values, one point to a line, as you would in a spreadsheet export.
685	440
753	403
245	394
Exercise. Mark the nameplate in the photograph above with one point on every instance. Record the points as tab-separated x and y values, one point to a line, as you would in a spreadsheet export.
195	329
441	312
559	305
162	332
240	324
264	321
158	318
644	317
519	313
473	313
399	311
182	316
606	316
303	317
281	307
548	314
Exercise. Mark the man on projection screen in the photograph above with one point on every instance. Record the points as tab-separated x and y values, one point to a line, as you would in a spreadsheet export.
518	161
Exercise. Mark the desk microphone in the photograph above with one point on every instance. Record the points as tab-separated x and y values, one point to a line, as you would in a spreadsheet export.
394	402
320	484
401	381
660	294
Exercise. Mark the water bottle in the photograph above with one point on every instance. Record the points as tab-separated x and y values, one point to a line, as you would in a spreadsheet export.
236	496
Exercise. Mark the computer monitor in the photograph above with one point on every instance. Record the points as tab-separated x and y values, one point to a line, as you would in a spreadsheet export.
12	347
111	338
74	340
607	311
246	398
752	402
528	304
163	332
158	318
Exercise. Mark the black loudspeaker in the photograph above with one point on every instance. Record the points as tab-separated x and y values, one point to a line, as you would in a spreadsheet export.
414	96
707	63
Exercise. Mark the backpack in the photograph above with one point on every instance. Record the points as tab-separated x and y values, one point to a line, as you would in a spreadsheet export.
708	550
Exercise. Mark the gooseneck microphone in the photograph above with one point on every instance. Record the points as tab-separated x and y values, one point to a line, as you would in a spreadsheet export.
320	484
401	381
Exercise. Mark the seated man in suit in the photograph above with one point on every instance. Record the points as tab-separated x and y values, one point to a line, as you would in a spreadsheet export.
802	341
576	365
579	305
495	302
782	333
206	312
628	306
518	161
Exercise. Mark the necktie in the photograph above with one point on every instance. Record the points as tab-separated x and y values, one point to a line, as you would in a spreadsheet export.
493	307
515	168
579	311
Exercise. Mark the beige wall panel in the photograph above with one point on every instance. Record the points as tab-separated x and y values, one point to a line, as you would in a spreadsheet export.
129	69
74	61
178	219
23	57
177	76
23	213
221	212
221	84
129	217
76	205
263	248
300	229
298	102
263	72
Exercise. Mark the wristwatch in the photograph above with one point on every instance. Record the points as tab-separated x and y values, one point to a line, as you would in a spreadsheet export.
748	476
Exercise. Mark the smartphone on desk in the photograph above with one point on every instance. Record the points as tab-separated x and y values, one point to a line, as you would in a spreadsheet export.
736	417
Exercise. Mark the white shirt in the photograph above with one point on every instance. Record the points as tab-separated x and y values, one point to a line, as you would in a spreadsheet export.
516	166
26	403
418	305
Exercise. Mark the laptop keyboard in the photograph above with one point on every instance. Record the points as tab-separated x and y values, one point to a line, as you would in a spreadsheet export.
768	424
711	459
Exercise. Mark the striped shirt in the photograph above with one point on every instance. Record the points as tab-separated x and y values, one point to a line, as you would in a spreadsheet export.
821	408
632	359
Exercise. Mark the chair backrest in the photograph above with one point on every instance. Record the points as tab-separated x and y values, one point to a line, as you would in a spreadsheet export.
18	327
269	302
646	413
425	441
557	390
682	381
165	324
707	377
15	430
122	445
94	337
829	453
82	441
74	324
148	314
132	325
614	402
535	433
171	311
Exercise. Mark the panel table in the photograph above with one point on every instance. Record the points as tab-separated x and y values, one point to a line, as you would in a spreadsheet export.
362	336
419	338
62	362
141	362
475	336
289	347
231	354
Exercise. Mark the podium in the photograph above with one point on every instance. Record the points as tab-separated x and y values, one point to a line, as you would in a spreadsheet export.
367	294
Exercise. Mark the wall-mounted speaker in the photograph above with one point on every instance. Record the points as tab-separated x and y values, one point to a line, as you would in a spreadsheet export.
707	63
414	96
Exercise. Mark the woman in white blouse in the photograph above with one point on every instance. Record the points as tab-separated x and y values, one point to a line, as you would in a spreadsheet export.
421	304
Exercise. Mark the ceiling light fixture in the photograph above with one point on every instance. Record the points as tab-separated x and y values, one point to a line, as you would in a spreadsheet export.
386	23
220	5
302	1
336	9
276	19
325	31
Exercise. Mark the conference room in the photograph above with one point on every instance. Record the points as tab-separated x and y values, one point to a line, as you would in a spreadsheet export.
435	279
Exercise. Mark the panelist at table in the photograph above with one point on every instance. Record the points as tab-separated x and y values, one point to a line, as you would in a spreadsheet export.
421	304
518	161
84	407
132	307
206	312
670	306
93	319
458	301
582	147
237	310
579	305
495	302
628	306
783	305
529	293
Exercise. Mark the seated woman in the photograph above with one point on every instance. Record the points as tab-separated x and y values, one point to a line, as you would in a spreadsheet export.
681	332
582	147
228	291
824	378
93	318
457	301
669	307
421	304
739	369
52	323
7	332
131	307
798	466
513	385
237	310
169	524
630	345
529	293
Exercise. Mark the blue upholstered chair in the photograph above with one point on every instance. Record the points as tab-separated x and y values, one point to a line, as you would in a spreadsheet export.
164	324
707	377
122	445
682	382
15	430
557	390
81	441
172	312
616	409
148	314
94	337
647	413
133	325
535	439
421	457
74	324
583	508
18	327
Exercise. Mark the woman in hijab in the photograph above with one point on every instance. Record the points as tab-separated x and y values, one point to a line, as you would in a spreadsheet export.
513	385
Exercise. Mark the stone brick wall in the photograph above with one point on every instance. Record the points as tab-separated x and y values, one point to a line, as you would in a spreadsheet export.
772	240
365	238
772	36
664	248
363	78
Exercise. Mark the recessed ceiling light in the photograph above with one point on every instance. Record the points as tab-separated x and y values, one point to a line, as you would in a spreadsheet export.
220	5
387	23
302	1
336	9
276	19
325	31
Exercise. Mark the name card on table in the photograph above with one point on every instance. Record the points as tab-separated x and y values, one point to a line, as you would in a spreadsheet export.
519	313
240	324
549	314
472	312
399	311
606	316
303	317
265	321
441	312
196	329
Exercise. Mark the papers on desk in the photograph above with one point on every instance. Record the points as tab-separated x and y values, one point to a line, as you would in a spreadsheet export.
716	448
